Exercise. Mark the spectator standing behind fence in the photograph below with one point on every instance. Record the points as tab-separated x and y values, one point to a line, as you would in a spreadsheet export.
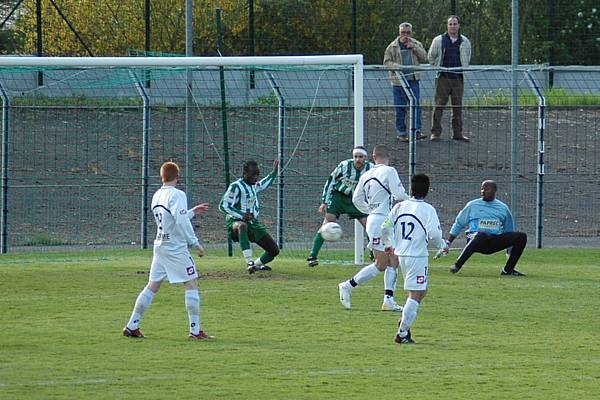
401	52
449	50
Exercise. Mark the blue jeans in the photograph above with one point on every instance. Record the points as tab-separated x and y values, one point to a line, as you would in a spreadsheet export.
401	105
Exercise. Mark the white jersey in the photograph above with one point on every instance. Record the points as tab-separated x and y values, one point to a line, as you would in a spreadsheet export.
377	189
410	226
174	229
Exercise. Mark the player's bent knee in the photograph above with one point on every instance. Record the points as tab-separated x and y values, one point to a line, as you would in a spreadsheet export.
241	226
274	252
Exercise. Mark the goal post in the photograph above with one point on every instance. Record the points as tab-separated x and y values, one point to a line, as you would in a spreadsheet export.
69	77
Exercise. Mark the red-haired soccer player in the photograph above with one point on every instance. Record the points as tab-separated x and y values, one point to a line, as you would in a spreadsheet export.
171	257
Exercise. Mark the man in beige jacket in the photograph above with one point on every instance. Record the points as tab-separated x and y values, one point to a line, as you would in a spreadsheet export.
402	52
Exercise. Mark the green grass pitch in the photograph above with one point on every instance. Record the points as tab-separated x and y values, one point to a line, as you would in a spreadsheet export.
284	335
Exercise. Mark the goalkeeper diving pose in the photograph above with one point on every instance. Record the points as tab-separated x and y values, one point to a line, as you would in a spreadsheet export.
377	191
241	207
406	232
489	229
337	196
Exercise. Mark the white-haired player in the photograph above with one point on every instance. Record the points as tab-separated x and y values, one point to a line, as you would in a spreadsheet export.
406	232
375	193
171	258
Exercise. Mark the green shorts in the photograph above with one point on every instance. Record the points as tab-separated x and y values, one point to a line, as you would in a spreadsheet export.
255	230
342	204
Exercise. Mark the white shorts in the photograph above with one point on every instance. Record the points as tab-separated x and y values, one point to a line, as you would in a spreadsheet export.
414	271
176	265
374	222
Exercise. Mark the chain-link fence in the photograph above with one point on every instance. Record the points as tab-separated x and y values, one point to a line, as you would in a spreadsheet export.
74	147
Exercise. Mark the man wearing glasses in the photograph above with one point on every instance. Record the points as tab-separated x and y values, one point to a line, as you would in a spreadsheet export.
405	51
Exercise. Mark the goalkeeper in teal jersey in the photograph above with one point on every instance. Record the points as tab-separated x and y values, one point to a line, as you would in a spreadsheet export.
241	207
337	196
489	229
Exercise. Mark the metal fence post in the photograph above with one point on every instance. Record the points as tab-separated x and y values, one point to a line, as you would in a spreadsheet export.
514	110
5	132
223	112
280	151
145	160
539	216
412	153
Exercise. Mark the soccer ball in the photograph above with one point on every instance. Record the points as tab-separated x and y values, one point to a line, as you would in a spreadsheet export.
331	231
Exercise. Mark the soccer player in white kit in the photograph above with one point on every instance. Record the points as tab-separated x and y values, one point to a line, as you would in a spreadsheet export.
376	191
171	257
406	232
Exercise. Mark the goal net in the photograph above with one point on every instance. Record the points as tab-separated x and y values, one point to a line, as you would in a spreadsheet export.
83	140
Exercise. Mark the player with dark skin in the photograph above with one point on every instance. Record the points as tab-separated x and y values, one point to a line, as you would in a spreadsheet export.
251	177
489	227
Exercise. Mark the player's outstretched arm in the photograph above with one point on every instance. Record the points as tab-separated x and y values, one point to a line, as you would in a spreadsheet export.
197	210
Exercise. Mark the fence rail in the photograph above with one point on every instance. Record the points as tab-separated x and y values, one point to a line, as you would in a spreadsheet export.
73	149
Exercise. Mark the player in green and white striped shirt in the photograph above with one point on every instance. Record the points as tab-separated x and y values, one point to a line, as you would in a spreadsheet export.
241	207
337	196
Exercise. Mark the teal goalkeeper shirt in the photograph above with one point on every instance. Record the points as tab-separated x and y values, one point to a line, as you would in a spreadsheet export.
478	215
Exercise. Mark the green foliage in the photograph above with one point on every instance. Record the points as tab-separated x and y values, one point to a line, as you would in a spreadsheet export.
79	101
284	335
45	239
270	100
559	32
554	97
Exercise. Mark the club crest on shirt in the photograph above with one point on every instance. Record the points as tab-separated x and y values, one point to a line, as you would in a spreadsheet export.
182	212
190	270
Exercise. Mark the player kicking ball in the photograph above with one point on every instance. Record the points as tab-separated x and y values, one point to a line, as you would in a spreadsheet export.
407	230
171	259
375	193
241	207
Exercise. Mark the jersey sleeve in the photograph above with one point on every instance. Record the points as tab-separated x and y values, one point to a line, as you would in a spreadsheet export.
434	229
266	181
509	222
462	219
396	186
229	200
180	214
331	181
359	197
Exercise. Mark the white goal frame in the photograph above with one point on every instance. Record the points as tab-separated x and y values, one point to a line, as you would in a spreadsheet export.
356	60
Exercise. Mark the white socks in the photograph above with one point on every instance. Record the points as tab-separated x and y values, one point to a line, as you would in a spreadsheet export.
247	254
192	303
142	303
366	274
257	262
409	314
390	278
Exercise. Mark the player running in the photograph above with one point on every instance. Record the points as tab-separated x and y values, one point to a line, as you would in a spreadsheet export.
377	190
406	232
